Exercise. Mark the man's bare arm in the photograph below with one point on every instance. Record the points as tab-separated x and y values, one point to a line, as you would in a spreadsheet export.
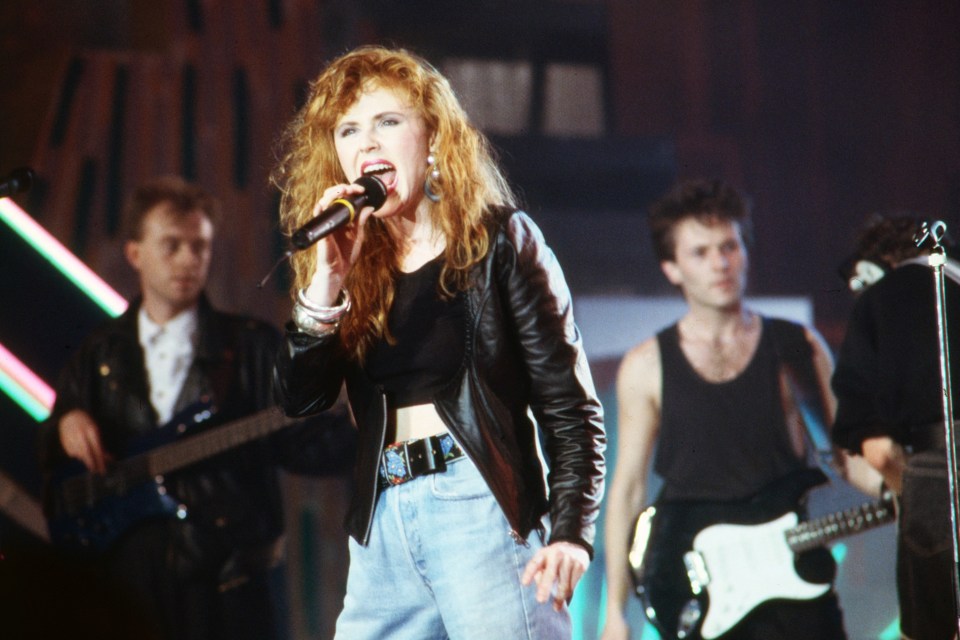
639	383
853	468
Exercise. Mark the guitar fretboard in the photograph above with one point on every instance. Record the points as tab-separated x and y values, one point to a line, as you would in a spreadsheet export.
87	489
818	532
208	443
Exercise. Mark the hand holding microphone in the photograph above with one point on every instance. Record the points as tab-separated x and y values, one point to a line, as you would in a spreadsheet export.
338	213
341	211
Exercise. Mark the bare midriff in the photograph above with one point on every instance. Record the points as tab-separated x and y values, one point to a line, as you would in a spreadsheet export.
418	421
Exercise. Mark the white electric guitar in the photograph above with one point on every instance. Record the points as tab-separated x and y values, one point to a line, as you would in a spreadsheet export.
701	568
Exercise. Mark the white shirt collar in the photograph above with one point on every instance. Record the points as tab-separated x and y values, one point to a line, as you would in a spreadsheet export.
168	352
182	326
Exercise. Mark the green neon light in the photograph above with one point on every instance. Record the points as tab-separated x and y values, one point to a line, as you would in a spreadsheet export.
60	257
26	401
892	632
839	552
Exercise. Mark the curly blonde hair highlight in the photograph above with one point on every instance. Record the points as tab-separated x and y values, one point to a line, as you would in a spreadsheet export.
470	186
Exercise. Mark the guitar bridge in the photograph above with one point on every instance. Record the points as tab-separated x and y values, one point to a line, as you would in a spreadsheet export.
697	572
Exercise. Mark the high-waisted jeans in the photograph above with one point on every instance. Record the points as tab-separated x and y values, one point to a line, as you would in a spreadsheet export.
441	563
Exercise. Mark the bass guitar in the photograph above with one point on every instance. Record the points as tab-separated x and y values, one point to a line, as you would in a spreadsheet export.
699	568
90	511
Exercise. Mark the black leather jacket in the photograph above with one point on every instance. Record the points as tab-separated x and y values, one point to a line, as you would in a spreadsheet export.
233	499
523	352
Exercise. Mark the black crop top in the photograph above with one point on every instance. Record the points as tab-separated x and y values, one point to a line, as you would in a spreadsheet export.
430	339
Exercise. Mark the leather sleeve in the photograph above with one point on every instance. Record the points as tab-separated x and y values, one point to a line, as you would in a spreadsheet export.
563	398
71	389
97	380
308	373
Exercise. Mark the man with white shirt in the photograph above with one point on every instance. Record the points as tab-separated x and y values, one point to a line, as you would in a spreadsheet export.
208	574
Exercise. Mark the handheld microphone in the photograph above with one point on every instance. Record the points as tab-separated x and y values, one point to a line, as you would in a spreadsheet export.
18	181
341	211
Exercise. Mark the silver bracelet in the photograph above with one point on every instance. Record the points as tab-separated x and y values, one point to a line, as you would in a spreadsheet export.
310	324
327	315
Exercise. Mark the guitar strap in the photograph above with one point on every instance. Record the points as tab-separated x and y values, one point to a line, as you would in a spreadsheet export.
795	356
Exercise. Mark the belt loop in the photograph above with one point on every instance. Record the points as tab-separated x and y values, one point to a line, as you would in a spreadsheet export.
384	473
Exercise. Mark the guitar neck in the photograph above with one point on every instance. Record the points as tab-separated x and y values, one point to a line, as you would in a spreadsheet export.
83	490
22	507
820	531
206	444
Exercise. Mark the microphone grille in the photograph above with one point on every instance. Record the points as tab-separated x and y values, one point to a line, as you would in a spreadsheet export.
375	190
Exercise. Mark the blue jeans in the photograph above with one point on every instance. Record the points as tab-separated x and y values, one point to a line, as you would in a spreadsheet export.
440	564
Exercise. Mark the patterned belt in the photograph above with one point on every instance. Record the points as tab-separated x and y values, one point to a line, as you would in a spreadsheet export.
403	461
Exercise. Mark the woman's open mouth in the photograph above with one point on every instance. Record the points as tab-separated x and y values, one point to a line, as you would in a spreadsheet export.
385	171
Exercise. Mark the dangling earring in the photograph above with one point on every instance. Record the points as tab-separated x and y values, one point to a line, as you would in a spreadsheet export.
432	176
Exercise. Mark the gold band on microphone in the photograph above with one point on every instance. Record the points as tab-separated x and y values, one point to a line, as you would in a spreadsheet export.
348	205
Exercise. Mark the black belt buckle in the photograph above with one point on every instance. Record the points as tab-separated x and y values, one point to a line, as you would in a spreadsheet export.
424	456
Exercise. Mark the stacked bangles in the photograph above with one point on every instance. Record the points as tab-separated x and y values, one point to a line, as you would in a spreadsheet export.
316	320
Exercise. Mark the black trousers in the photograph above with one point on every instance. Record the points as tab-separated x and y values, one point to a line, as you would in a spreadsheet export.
925	564
182	591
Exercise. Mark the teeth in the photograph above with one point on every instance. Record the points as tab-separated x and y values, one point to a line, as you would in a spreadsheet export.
380	167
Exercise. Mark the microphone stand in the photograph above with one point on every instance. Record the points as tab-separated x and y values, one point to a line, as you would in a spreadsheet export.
937	259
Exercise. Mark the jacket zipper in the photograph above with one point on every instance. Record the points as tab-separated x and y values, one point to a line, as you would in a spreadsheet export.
376	476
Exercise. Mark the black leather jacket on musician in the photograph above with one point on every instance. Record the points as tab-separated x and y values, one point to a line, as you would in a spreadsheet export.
523	351
233	499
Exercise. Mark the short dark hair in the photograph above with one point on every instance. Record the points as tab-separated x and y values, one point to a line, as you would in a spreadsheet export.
182	196
889	238
886	239
707	201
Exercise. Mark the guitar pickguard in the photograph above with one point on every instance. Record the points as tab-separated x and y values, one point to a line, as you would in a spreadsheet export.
706	565
748	565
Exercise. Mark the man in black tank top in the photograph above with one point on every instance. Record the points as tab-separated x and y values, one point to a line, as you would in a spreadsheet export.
706	394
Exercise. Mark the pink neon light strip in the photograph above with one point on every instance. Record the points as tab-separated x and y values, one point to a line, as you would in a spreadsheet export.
27	379
61	257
